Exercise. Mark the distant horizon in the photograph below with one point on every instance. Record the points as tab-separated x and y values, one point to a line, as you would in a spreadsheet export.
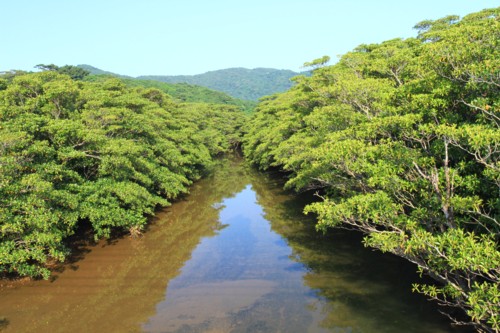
222	69
193	37
215	70
105	70
162	74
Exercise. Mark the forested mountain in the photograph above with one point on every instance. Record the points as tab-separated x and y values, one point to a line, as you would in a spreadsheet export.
182	92
239	83
401	140
97	71
99	153
248	84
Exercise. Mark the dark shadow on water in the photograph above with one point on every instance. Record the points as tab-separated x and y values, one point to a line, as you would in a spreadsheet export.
53	278
4	322
340	270
78	245
330	273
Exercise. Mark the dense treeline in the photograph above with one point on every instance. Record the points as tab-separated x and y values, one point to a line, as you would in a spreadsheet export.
180	92
401	140
97	153
243	83
184	92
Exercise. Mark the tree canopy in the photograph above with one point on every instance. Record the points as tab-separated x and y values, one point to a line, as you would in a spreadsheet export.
401	141
99	153
243	83
75	72
183	92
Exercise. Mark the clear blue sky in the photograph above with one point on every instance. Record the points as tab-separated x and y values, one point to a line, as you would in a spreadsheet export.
172	37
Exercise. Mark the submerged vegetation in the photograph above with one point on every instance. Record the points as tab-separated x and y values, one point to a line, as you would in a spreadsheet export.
98	153
401	140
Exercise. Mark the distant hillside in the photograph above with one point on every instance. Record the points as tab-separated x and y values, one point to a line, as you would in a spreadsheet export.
184	92
249	84
97	71
181	92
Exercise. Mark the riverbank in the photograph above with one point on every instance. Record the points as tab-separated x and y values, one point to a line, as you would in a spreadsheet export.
239	248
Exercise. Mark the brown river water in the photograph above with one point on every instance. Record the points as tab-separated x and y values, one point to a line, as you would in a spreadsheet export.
236	255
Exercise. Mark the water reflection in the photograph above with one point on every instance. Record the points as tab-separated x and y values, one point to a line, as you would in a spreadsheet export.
268	270
237	255
240	281
116	287
357	289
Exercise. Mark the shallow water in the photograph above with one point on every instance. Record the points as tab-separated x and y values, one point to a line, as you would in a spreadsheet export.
236	255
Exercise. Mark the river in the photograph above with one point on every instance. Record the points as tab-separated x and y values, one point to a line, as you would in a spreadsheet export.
236	255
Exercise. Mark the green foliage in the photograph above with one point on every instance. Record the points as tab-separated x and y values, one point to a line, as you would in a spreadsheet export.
183	92
401	140
96	71
75	72
74	151
317	63
242	83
